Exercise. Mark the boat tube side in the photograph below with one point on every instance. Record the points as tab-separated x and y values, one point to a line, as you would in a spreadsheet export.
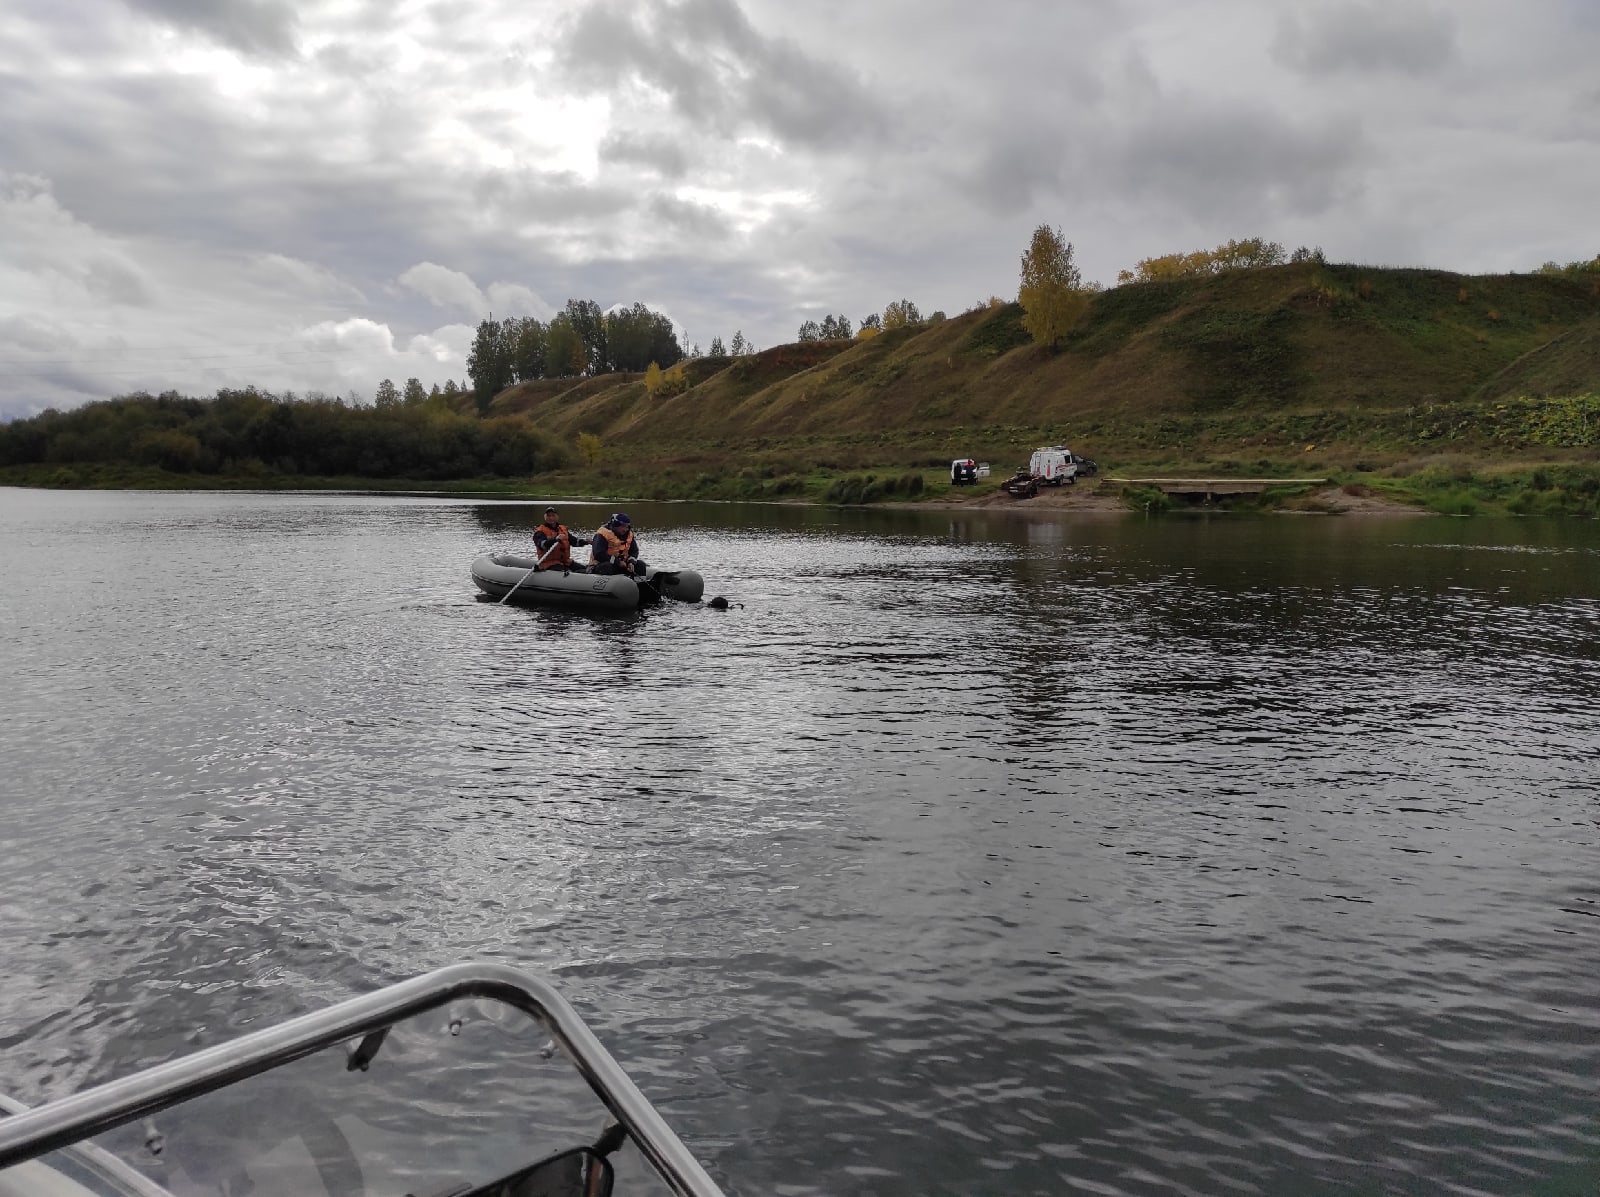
497	574
500	574
684	585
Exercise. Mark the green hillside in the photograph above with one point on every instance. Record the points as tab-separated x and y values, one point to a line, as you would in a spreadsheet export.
1365	365
1454	389
1566	365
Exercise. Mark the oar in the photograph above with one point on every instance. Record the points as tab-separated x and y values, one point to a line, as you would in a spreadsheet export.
529	574
648	587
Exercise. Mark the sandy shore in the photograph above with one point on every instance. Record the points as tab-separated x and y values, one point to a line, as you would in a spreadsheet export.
1332	500
1090	498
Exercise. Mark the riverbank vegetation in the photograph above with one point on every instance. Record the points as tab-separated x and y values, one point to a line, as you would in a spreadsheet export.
1458	392
258	437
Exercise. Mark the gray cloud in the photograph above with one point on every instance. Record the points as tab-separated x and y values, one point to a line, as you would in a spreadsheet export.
1013	167
737	163
1366	38
445	287
24	333
293	277
665	157
1243	164
699	221
1581	121
112	281
716	70
250	26
367	220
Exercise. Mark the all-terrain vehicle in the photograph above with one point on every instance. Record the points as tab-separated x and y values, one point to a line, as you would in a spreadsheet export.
1024	484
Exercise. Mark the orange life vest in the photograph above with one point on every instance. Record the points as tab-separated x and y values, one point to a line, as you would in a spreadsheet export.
561	551
618	548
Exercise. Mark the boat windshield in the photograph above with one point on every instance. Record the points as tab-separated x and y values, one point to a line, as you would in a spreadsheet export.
467	1097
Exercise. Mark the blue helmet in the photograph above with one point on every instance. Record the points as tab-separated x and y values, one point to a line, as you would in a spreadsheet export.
621	517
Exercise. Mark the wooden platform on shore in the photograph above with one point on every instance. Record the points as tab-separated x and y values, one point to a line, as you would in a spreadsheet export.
1213	487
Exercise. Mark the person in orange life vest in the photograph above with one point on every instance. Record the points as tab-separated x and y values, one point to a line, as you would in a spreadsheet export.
615	549
553	537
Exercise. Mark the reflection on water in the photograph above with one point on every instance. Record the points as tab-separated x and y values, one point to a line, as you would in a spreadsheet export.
1172	856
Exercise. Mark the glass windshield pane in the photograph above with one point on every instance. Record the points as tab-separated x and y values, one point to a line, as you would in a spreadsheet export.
452	1100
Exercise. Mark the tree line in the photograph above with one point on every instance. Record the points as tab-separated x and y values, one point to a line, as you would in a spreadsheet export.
1572	269
900	313
579	340
1253	253
254	433
388	395
1054	296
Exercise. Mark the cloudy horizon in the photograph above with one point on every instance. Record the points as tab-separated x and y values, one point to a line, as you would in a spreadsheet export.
319	195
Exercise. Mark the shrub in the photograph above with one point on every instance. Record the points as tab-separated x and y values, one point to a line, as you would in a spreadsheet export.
855	489
1146	498
1453	502
845	491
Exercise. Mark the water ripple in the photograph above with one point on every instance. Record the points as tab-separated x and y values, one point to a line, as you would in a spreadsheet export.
966	854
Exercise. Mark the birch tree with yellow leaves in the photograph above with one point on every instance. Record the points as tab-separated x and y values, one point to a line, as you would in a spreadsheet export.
1052	293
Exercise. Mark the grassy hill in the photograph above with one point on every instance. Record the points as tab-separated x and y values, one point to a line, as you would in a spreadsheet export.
1300	367
1454	389
1566	365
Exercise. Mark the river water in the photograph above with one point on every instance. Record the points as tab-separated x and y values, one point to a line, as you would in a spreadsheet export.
965	853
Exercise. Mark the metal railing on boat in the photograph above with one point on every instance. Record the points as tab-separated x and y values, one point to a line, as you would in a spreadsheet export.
27	1135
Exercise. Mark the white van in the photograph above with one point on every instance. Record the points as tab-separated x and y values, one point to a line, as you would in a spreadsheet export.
1053	465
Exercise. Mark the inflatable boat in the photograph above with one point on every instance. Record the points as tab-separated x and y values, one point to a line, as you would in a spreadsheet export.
500	574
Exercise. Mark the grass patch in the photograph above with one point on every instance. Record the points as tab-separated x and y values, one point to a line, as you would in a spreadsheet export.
1000	333
1144	498
1118	314
1237	357
856	489
1455	486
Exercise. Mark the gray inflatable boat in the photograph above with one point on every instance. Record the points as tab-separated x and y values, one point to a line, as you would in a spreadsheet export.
499	574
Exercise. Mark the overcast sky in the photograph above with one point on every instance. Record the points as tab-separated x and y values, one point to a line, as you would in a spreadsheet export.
324	193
